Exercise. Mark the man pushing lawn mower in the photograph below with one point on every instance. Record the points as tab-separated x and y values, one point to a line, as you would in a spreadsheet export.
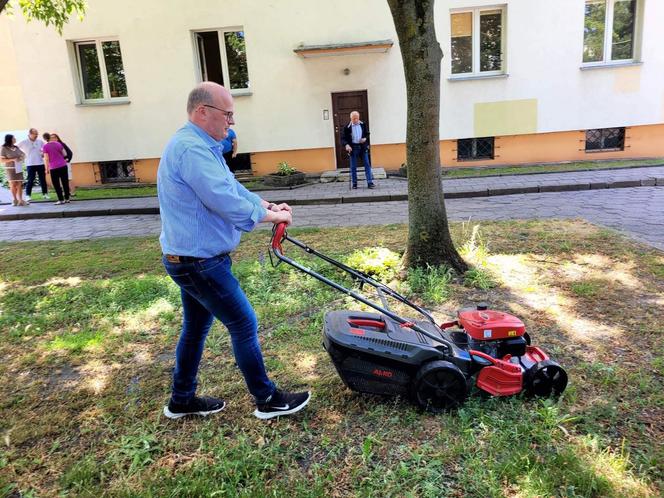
203	210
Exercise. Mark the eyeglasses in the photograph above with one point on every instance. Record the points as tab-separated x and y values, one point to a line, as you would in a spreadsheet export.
227	114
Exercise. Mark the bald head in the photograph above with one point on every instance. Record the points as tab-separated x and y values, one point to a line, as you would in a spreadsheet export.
203	94
210	107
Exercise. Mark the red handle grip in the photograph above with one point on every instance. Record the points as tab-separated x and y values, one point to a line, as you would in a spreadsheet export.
278	233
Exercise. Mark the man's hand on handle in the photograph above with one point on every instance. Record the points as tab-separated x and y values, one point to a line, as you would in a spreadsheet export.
270	206
278	217
278	213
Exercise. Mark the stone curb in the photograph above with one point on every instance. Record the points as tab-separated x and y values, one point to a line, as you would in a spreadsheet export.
119	211
565	187
583	170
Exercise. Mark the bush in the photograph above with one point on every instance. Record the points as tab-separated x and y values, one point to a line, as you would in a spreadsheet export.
432	283
3	179
283	169
378	262
475	249
479	278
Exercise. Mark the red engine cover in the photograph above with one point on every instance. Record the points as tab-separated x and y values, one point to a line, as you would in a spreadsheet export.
489	325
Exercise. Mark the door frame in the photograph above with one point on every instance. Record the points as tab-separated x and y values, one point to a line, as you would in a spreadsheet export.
340	157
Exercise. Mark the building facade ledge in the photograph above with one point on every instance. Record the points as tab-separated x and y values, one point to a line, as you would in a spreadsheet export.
609	65
377	46
103	103
470	77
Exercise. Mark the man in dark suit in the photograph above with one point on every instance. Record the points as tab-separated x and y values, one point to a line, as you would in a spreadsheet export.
355	138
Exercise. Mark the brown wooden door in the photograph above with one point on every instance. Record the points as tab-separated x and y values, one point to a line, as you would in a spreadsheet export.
343	103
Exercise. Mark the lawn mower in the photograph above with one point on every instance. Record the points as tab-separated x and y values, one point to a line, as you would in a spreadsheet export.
435	365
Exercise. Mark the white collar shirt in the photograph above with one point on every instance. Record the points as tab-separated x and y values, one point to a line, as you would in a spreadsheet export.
32	151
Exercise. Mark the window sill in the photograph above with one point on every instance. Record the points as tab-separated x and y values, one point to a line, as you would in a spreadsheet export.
93	103
475	159
595	151
477	77
608	65
241	93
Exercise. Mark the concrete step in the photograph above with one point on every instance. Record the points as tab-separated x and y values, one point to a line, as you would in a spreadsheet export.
342	175
244	176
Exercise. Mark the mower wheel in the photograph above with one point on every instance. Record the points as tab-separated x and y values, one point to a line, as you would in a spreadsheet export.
545	379
439	386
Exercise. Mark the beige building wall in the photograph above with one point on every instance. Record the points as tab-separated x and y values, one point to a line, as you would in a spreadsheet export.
536	108
288	94
13	114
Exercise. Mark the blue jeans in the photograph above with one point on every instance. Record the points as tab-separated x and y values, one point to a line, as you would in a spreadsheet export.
33	172
209	290
354	156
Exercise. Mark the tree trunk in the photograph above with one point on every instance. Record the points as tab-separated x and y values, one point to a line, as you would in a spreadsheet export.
429	240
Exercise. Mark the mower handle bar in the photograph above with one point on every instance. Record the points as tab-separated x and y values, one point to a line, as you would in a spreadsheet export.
279	234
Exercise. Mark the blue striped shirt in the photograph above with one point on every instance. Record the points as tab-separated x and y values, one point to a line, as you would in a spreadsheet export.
204	209
357	132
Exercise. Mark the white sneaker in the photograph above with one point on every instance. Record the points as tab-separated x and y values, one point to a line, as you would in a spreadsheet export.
27	198
47	197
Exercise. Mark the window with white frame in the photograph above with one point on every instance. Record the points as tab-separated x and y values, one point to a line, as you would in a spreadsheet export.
100	70
478	41
222	57
609	31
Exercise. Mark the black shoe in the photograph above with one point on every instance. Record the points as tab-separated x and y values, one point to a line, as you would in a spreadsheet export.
203	405
372	185
282	403
354	187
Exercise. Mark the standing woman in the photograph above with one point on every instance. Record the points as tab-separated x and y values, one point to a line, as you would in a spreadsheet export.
54	159
68	157
11	157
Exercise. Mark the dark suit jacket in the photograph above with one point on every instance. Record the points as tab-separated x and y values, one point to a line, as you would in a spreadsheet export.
347	135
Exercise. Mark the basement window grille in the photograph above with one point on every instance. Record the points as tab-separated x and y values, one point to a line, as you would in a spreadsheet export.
474	149
117	171
605	139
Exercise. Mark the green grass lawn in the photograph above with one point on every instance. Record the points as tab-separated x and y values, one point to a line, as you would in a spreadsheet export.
88	330
83	193
549	168
104	193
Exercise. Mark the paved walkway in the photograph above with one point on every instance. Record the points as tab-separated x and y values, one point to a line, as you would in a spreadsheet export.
637	212
392	189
